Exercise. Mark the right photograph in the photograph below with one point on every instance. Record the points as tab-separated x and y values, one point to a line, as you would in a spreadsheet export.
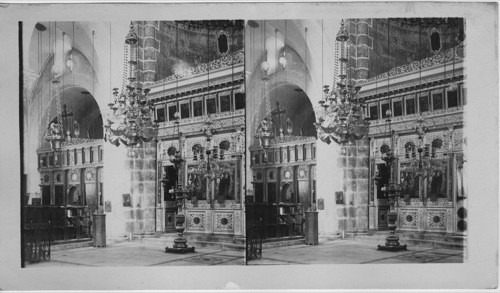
355	145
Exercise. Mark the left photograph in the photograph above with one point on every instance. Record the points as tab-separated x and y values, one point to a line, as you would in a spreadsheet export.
133	138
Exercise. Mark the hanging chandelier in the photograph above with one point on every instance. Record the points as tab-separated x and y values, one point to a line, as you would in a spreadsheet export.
342	119
132	119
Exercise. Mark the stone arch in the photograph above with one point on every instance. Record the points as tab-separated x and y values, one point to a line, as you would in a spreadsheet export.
292	76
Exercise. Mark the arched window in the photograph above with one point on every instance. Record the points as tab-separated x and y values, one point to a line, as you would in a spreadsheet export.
435	39
222	43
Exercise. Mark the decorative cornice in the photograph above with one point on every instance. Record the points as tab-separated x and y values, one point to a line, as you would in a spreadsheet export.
226	61
195	87
435	119
435	60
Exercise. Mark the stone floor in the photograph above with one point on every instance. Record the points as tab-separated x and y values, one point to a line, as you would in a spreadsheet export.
335	251
139	254
354	252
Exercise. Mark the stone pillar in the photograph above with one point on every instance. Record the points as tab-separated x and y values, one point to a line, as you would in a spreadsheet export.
328	181
149	46
353	160
141	162
360	47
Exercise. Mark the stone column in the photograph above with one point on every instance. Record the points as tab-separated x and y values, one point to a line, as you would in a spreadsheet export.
360	47
150	47
141	162
328	181
353	160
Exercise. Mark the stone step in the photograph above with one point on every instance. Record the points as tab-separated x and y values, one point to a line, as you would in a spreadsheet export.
70	244
431	240
282	242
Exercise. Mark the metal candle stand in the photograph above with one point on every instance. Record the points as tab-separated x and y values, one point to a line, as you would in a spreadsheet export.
392	241
392	191
180	243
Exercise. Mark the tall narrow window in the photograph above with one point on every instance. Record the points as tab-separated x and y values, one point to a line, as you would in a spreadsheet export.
410	106
397	107
373	112
423	103
384	108
171	112
437	100
225	103
197	108
160	113
185	110
211	105
239	101
452	97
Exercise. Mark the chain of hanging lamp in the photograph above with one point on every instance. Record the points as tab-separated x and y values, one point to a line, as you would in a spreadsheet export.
342	119
132	119
264	131
54	132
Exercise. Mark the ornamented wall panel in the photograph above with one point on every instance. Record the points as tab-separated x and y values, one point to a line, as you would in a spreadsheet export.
74	176
59	177
45	178
436	220
272	174
90	175
169	219
303	172
408	219
223	222
286	174
382	218
196	221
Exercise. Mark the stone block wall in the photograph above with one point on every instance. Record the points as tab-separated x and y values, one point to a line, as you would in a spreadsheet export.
141	163
353	161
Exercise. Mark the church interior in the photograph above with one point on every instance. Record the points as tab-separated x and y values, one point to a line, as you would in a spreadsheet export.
244	134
